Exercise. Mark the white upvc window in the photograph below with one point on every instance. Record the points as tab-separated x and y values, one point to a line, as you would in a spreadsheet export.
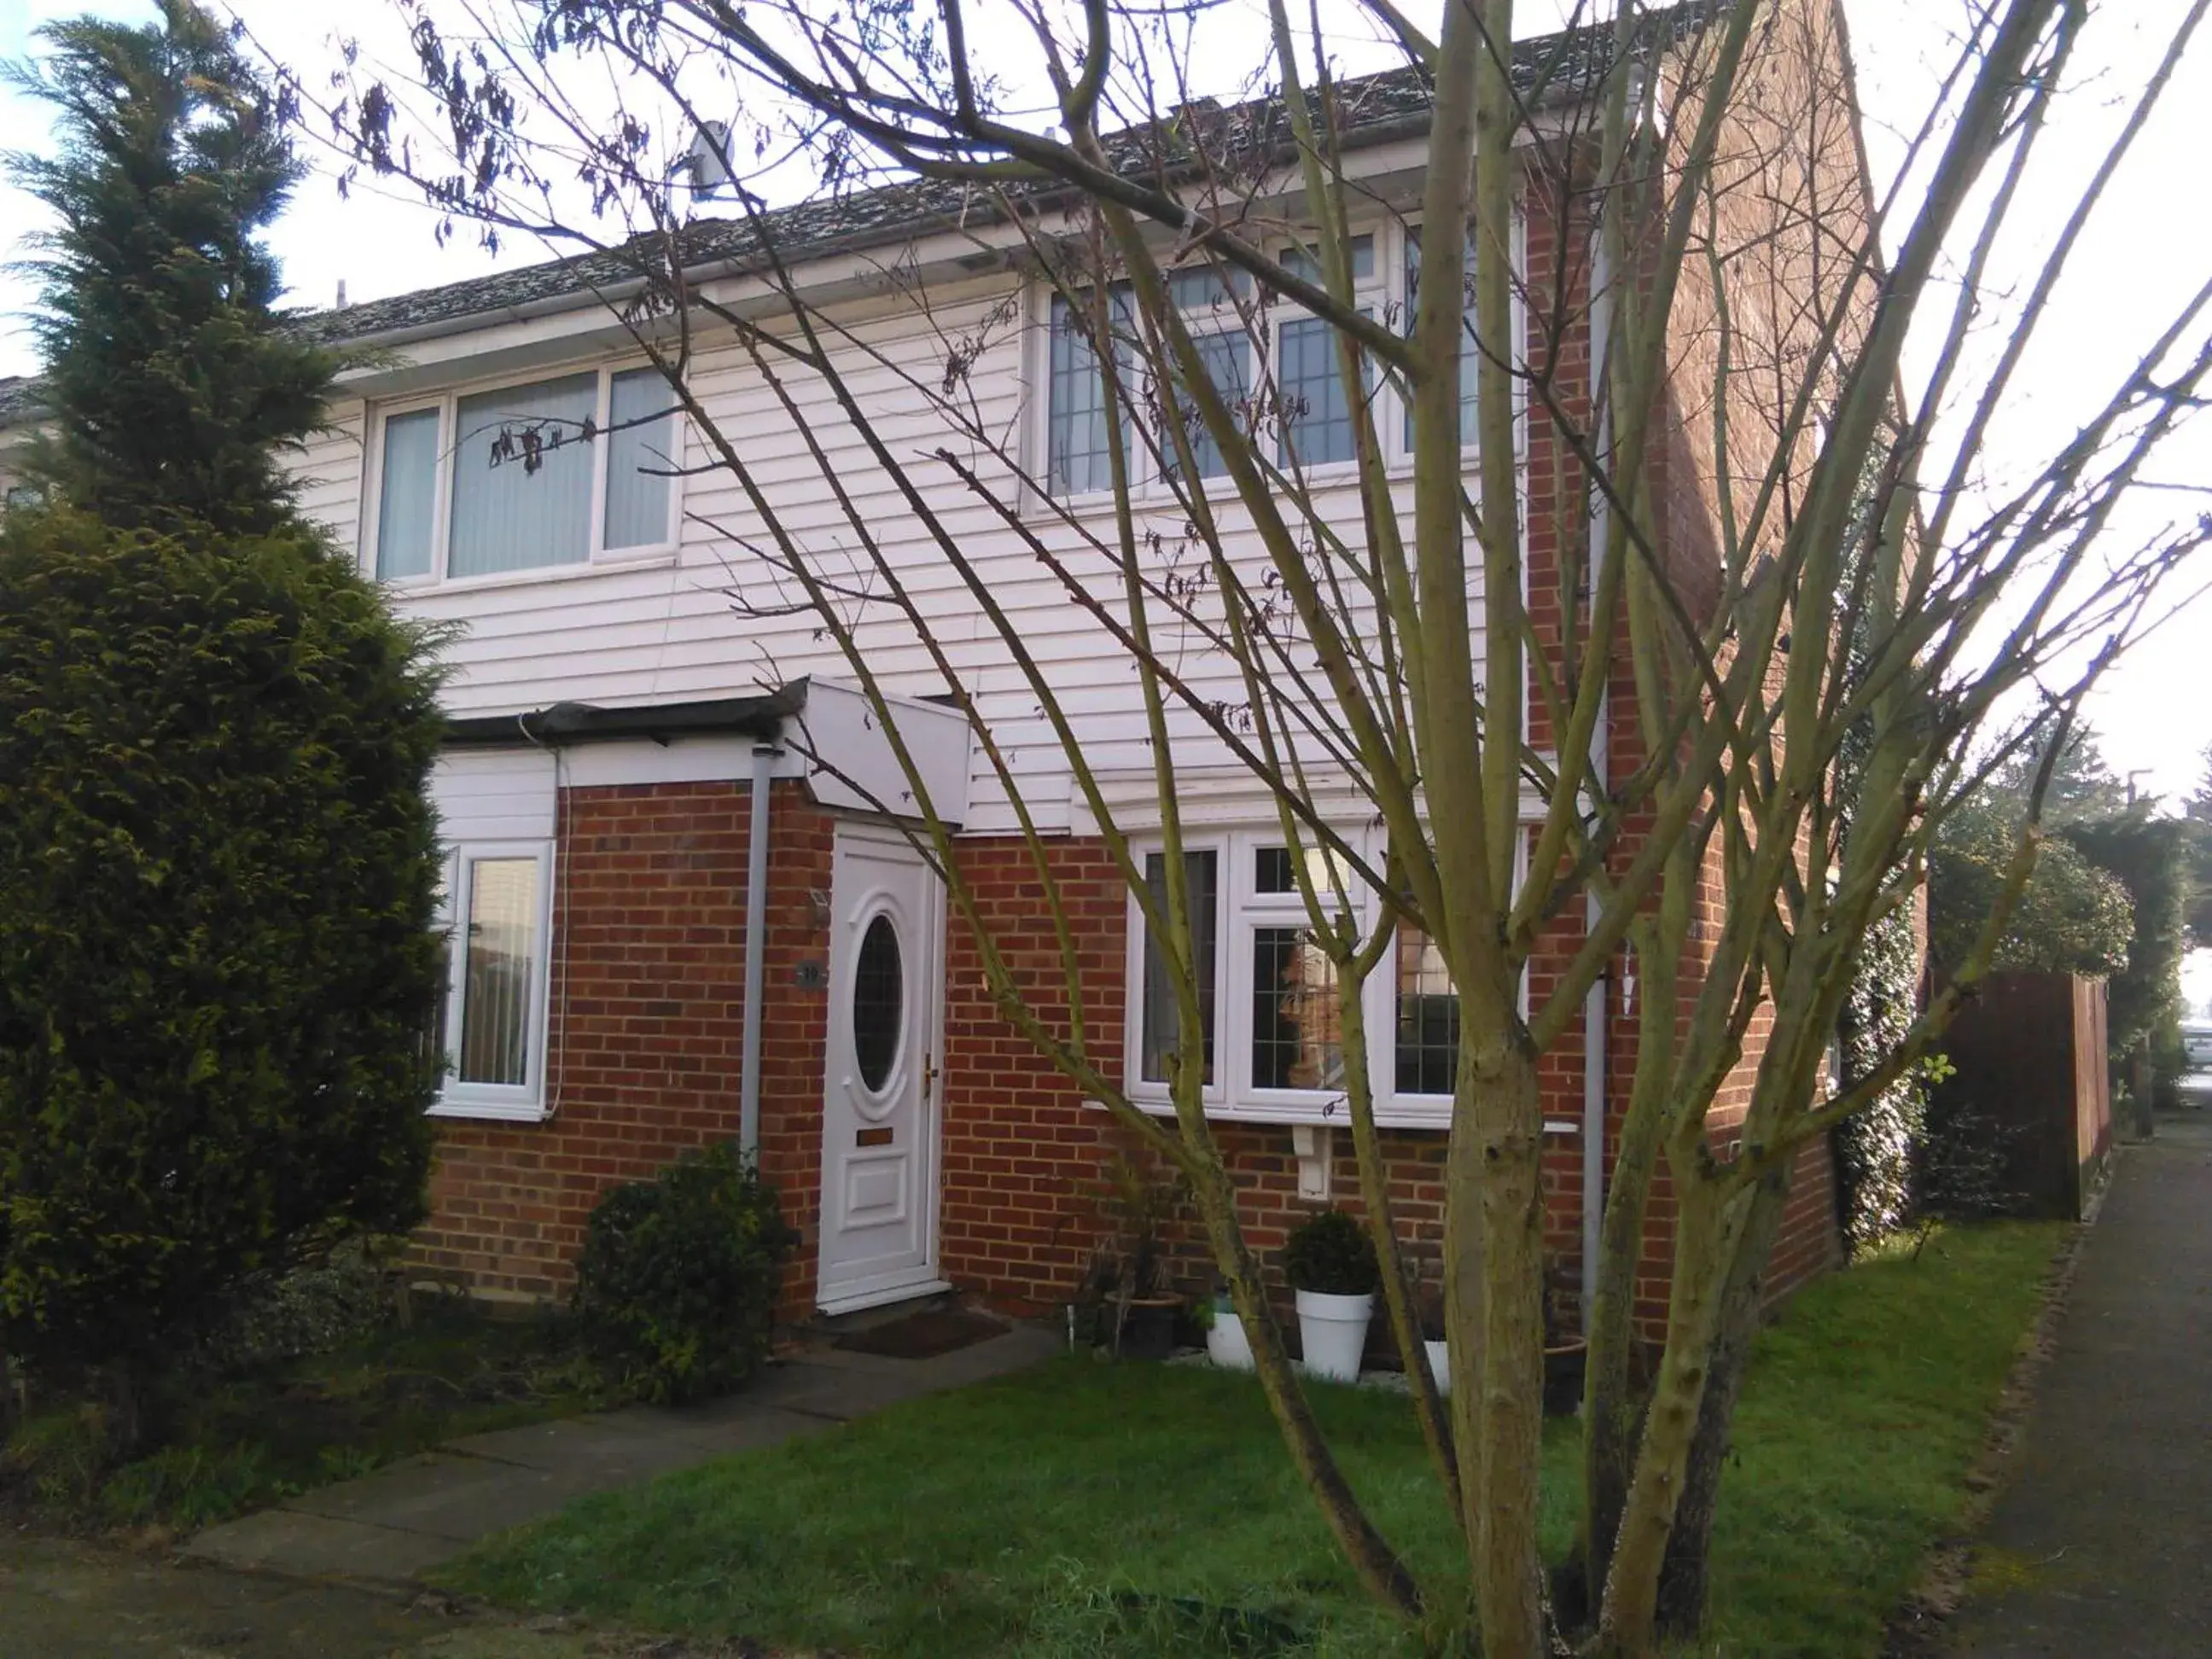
1278	367
566	471
1273	1040
497	914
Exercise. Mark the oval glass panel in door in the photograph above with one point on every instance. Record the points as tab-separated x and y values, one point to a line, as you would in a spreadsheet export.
878	996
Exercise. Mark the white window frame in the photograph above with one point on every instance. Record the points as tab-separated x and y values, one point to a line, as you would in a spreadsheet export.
1232	1095
597	556
523	1103
1384	295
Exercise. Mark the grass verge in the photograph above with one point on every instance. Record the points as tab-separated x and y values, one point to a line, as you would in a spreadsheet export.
1089	1509
230	1442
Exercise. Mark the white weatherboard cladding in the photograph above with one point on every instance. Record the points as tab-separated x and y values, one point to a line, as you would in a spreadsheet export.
494	795
717	620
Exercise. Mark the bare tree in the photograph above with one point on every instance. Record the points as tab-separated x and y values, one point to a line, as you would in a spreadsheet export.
1506	691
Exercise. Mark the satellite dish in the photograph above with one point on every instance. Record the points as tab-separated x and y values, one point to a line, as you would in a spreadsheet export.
708	147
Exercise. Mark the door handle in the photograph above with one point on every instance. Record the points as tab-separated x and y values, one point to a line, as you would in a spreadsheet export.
928	1075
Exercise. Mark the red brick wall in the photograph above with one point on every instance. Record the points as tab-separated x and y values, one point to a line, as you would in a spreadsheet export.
648	975
646	1033
1024	1156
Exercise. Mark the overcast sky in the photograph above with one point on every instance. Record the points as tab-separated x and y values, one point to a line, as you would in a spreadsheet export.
2155	712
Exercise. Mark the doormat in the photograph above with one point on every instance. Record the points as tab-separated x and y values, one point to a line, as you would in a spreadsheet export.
923	1335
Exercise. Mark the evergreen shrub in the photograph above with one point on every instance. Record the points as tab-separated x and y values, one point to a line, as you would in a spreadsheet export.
218	873
676	1289
1331	1253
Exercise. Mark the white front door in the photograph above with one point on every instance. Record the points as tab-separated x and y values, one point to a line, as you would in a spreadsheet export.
880	1120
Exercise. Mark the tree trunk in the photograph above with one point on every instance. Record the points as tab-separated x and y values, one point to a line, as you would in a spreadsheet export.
1706	1228
1612	1399
1683	1577
1495	1307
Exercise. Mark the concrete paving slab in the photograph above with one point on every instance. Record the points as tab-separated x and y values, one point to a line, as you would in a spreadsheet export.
320	1546
463	1498
686	1437
842	1395
632	1446
2097	1545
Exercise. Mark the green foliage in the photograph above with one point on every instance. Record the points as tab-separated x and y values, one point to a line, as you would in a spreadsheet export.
2082	785
1878	1148
677	1285
231	1434
316	1307
217	878
2074	917
2198	821
1330	1252
173	385
2150	857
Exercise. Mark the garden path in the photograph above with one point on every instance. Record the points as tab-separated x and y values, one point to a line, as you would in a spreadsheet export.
2097	1545
393	1525
330	1574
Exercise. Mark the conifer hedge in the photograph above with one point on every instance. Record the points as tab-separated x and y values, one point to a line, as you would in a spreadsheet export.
217	968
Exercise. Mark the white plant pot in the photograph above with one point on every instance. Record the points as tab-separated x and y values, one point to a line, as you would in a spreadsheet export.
1333	1330
1440	1364
1226	1345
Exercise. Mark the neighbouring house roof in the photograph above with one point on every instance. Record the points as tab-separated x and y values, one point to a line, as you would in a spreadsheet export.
19	399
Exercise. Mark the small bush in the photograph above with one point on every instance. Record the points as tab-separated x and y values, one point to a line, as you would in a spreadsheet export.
316	1308
190	1487
677	1283
1332	1253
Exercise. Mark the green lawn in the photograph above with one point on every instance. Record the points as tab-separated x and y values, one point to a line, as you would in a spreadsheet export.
1092	1509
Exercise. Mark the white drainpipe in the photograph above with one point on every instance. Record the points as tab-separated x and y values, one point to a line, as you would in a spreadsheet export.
1593	1008
764	755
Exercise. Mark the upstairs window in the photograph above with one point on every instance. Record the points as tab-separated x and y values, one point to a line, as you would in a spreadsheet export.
1079	447
531	477
1470	355
1273	356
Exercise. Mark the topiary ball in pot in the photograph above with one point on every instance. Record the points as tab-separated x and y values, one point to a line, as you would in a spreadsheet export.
1330	1252
1330	1260
676	1288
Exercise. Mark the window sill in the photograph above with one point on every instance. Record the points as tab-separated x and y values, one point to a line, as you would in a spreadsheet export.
1435	1115
654	559
1322	477
487	1112
1432	1114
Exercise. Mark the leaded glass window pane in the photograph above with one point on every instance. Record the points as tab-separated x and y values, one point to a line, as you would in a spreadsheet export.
1297	1025
1161	1024
1427	1017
